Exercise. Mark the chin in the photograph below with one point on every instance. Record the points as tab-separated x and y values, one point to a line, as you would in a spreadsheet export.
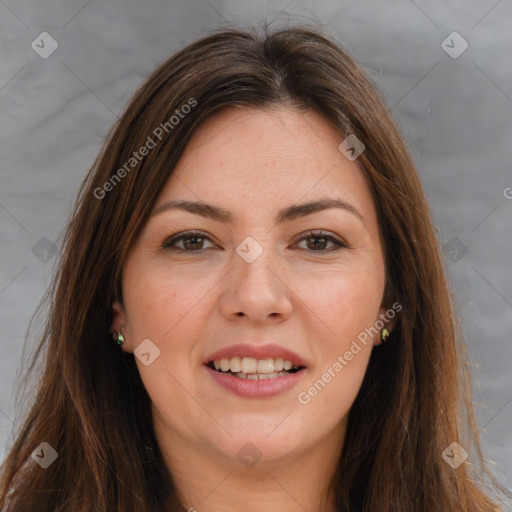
249	446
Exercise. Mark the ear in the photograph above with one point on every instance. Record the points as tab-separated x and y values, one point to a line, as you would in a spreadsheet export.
387	316
120	323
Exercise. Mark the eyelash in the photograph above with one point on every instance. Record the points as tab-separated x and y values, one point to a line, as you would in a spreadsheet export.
169	242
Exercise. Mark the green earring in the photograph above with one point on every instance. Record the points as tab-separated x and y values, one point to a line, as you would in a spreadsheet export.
384	334
120	338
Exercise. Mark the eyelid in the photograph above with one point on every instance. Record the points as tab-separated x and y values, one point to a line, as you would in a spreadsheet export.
322	234
169	241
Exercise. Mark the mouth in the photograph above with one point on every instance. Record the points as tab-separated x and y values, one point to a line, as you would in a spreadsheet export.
249	368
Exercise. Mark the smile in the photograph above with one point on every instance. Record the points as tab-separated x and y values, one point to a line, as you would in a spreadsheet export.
255	369
248	377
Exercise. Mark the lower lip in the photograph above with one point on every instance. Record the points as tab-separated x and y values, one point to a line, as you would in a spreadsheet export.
247	388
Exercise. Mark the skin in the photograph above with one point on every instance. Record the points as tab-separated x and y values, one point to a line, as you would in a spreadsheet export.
296	294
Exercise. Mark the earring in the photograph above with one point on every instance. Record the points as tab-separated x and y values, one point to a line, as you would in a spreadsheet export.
120	338
384	335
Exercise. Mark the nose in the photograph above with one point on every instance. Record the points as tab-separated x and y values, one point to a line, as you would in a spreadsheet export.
257	291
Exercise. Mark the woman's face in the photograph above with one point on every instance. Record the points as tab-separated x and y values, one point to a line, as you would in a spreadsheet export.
255	277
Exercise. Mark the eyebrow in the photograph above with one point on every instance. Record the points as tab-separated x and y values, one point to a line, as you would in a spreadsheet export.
286	214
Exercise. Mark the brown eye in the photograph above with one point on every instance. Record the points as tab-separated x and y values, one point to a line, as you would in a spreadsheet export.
317	242
313	240
192	241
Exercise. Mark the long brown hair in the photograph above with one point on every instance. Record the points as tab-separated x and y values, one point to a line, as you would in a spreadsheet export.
91	405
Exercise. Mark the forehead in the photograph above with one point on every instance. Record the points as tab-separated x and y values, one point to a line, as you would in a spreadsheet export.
252	160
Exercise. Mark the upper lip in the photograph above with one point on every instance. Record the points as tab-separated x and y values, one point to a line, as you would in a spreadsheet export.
255	351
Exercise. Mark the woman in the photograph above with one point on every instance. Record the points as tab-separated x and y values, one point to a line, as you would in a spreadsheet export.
255	238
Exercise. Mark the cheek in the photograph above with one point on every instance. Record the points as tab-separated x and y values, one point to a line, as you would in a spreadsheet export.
347	305
169	309
344	303
165	304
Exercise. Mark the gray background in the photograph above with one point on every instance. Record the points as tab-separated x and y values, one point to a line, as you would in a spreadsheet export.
456	113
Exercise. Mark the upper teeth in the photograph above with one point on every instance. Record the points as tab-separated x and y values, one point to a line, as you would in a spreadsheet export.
251	365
